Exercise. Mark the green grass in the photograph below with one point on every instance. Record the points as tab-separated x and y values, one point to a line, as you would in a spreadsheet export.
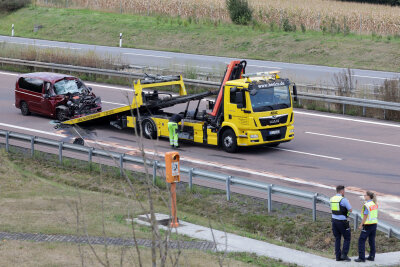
205	37
287	225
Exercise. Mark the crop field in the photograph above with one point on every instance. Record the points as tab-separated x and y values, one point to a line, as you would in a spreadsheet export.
325	15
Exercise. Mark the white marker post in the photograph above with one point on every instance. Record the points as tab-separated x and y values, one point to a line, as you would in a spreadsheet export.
12	30
120	39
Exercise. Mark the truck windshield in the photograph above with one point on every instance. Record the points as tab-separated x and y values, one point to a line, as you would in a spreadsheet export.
69	86
270	98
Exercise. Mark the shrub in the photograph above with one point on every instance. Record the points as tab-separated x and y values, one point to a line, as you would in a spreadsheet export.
12	5
239	11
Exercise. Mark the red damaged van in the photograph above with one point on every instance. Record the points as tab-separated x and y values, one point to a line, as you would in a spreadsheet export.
55	95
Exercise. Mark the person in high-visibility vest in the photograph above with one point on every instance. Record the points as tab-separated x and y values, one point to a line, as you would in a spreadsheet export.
173	130
368	227
341	208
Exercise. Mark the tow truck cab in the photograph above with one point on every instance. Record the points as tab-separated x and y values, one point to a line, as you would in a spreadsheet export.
257	110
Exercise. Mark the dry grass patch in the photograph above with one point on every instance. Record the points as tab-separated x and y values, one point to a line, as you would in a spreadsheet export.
310	14
26	254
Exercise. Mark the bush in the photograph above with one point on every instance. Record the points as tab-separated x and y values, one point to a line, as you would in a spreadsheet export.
239	11
11	5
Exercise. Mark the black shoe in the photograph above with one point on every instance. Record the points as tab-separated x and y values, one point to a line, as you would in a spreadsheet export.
339	259
172	146
370	259
359	260
345	258
176	146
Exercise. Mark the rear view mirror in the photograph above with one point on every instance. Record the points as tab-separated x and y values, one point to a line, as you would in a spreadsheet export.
295	93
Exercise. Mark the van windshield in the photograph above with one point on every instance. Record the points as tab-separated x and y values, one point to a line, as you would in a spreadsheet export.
69	86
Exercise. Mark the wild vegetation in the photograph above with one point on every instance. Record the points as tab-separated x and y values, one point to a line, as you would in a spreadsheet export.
308	15
11	5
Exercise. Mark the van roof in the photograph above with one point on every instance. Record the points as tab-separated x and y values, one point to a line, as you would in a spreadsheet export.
46	76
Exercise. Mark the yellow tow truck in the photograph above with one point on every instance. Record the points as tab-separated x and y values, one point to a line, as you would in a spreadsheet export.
250	110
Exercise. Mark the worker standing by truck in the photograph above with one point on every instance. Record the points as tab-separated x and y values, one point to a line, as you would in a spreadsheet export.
173	130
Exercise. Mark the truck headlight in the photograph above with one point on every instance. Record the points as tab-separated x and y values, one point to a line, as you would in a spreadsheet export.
254	136
291	131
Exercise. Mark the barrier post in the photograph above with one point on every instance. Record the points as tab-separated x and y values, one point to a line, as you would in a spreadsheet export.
155	171
314	209
269	198
32	146
120	39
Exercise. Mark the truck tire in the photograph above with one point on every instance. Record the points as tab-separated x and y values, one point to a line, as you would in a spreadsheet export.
149	129
61	114
24	109
229	141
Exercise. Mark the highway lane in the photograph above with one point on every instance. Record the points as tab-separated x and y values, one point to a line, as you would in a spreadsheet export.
300	73
327	149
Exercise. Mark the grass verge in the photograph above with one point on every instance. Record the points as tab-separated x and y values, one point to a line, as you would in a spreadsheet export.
287	225
206	37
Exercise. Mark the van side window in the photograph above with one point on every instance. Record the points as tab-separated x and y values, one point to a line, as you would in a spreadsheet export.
34	85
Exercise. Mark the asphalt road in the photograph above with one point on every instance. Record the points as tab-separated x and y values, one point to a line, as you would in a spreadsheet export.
299	73
361	153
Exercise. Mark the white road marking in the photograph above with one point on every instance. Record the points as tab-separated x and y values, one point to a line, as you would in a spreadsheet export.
347	119
113	103
258	66
51	46
354	139
199	67
380	78
31	130
109	87
306	153
11	74
144	55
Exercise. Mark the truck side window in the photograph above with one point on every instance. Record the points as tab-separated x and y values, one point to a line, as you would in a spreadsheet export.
34	85
238	97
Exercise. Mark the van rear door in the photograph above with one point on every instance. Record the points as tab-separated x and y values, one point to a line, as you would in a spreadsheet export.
31	91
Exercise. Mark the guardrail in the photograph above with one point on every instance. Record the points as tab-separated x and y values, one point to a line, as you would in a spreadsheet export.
209	84
192	173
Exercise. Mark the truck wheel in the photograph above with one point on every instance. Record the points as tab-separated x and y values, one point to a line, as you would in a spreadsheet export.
25	109
229	143
149	129
61	115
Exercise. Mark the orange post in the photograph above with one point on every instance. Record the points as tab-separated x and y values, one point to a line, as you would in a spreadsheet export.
172	172
174	219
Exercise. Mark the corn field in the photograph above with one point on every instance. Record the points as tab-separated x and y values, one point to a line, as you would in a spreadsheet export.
325	15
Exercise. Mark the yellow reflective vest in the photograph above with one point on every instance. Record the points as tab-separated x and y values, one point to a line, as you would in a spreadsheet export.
336	208
372	217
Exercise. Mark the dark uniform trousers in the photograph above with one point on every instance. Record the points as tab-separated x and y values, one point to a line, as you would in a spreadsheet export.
341	228
368	231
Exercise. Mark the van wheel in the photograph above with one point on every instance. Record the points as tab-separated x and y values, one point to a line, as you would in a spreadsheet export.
229	141
149	129
25	109
61	115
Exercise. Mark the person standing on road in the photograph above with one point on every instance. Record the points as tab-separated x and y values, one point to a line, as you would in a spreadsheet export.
341	208
369	214
173	130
